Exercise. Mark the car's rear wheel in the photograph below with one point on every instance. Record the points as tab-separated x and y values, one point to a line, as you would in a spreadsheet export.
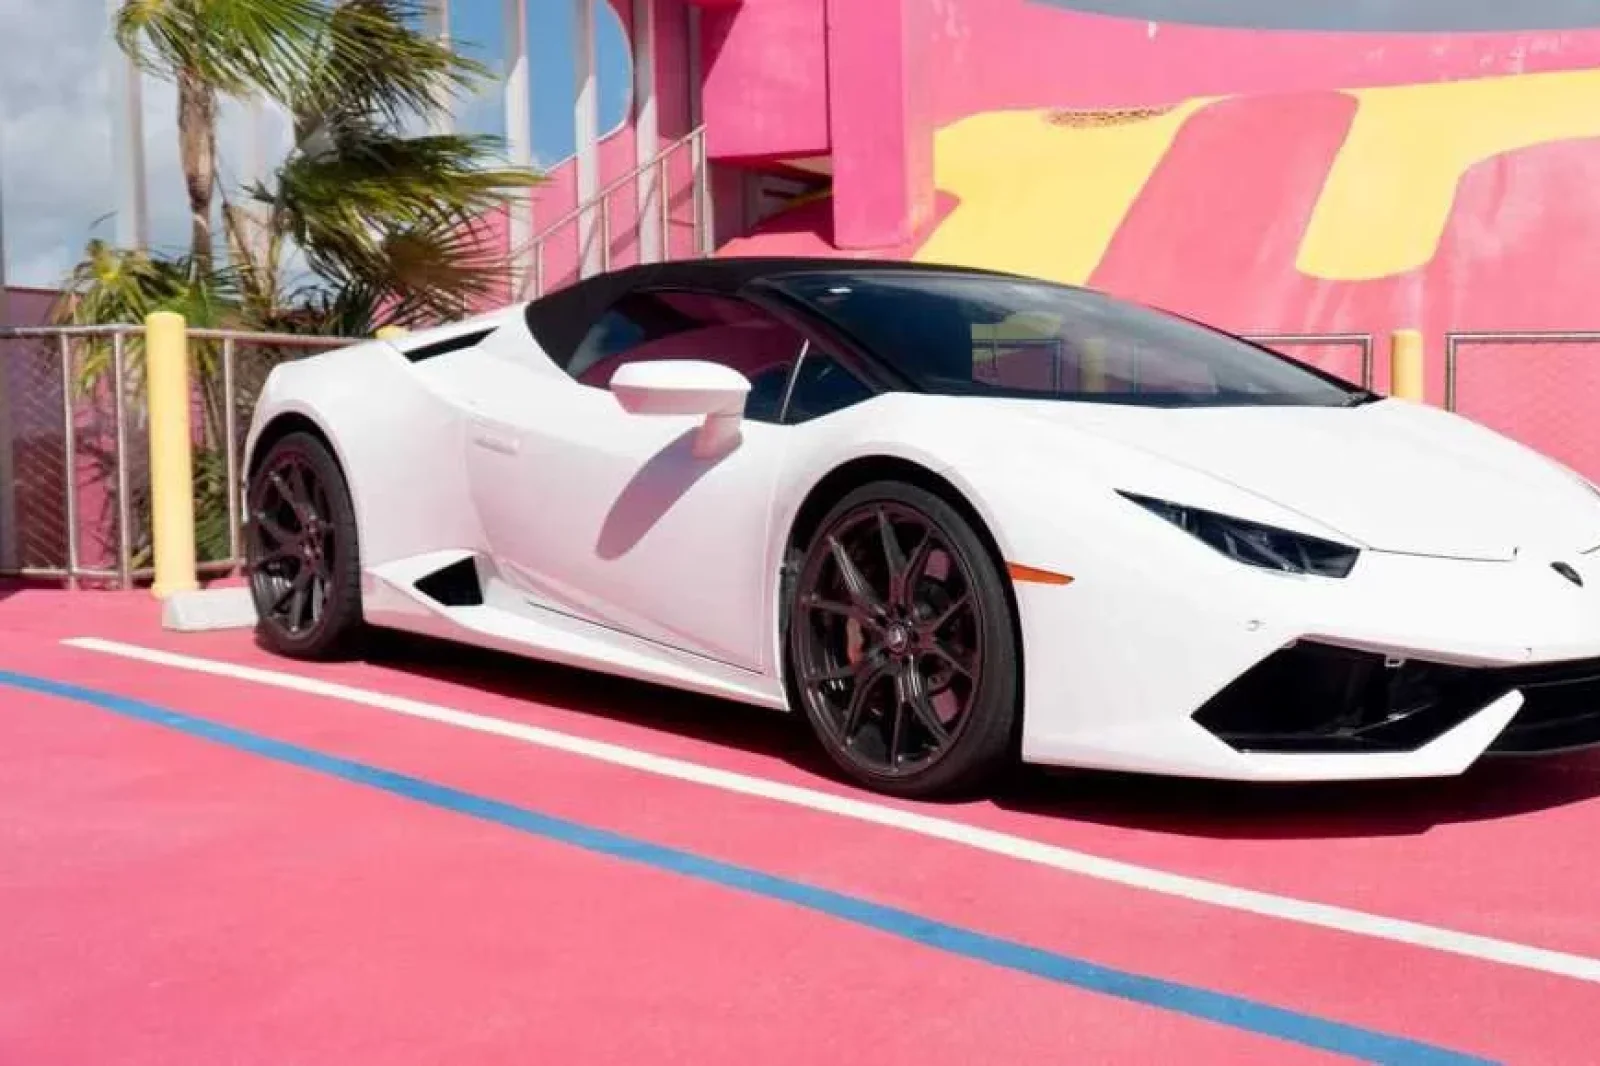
901	644
301	551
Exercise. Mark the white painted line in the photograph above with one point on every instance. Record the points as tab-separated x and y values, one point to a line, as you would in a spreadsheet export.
1265	904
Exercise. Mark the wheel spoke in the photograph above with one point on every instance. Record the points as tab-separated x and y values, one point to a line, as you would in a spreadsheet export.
893	556
968	669
895	733
285	551
855	583
930	629
832	673
301	576
270	525
865	680
817	603
923	708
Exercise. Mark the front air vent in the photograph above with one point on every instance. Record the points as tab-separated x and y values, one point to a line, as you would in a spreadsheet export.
456	585
445	347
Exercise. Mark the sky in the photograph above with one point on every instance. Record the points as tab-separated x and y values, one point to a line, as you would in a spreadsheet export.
56	187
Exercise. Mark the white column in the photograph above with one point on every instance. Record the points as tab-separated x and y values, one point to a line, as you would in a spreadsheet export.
647	132
8	481
519	140
444	121
586	124
700	180
256	168
125	95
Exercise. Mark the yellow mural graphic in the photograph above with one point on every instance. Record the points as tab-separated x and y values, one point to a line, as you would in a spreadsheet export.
1045	198
1042	198
1390	192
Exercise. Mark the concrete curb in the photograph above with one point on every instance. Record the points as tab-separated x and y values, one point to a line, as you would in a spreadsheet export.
208	609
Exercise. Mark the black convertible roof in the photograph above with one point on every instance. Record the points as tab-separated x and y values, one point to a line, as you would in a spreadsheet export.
560	319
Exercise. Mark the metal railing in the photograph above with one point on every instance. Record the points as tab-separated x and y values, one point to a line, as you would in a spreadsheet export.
654	201
59	455
1455	342
1361	342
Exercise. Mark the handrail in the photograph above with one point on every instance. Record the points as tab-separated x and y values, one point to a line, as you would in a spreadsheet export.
694	141
1453	342
123	329
632	175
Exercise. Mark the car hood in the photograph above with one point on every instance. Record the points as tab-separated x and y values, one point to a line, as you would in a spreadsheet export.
1390	475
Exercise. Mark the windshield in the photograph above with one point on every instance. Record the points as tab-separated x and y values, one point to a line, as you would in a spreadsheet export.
959	334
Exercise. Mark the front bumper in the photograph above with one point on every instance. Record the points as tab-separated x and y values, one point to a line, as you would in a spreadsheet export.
1319	698
1411	667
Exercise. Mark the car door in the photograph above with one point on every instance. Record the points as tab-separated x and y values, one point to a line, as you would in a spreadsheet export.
609	516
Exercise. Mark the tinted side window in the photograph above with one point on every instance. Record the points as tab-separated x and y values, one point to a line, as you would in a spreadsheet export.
821	387
686	325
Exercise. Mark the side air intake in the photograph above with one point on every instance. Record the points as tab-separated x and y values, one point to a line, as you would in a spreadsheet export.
456	585
444	347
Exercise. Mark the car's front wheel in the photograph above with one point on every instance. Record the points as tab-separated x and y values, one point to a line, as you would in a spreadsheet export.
901	643
301	551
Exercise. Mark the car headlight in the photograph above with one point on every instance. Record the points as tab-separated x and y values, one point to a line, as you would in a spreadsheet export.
1254	544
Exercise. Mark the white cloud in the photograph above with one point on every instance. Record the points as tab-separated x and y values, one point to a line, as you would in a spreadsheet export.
56	156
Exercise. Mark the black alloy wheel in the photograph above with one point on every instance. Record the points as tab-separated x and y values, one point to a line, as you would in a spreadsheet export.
301	551
902	645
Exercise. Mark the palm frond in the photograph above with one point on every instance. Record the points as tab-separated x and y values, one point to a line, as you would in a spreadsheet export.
398	72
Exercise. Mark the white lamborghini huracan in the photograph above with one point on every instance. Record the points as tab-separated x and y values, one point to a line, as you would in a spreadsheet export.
951	516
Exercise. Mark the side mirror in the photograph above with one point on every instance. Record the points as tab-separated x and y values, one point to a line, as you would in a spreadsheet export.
687	387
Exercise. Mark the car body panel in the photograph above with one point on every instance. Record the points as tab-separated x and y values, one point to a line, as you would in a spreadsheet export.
600	541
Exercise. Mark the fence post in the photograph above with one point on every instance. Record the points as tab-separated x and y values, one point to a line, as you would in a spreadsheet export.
1406	363
171	452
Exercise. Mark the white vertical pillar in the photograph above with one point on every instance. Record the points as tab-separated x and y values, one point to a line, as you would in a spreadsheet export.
125	96
8	481
519	139
586	124
443	122
254	235
647	130
704	240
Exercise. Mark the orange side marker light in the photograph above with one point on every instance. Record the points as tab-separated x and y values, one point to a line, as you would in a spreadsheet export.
1036	576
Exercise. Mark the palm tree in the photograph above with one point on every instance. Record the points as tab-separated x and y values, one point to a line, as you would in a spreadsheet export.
389	225
243	48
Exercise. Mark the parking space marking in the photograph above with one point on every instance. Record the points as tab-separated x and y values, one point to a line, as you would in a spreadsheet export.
1213	893
1217	1007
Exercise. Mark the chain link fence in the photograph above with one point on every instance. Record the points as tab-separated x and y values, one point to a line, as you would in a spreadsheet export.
1346	355
1539	388
75	446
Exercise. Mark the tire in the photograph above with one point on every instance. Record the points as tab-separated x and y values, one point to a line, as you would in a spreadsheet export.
906	667
306	588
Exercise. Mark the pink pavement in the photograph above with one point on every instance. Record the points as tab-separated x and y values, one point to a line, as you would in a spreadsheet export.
413	932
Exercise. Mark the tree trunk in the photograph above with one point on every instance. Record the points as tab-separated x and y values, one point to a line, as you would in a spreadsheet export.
197	146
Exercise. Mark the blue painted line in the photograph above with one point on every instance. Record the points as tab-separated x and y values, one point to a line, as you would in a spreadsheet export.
1233	1011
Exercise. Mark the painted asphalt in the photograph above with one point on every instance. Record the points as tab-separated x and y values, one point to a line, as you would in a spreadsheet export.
208	867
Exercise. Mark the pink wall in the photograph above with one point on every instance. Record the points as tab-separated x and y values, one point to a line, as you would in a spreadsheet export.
869	83
995	54
766	77
27	307
880	134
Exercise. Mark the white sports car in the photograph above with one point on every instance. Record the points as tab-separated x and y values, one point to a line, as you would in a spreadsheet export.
953	517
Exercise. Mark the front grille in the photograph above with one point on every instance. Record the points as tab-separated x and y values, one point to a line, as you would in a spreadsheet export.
1560	710
1318	698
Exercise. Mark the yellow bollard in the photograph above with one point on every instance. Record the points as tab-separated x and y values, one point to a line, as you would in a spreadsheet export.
389	333
1092	366
1406	363
171	459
